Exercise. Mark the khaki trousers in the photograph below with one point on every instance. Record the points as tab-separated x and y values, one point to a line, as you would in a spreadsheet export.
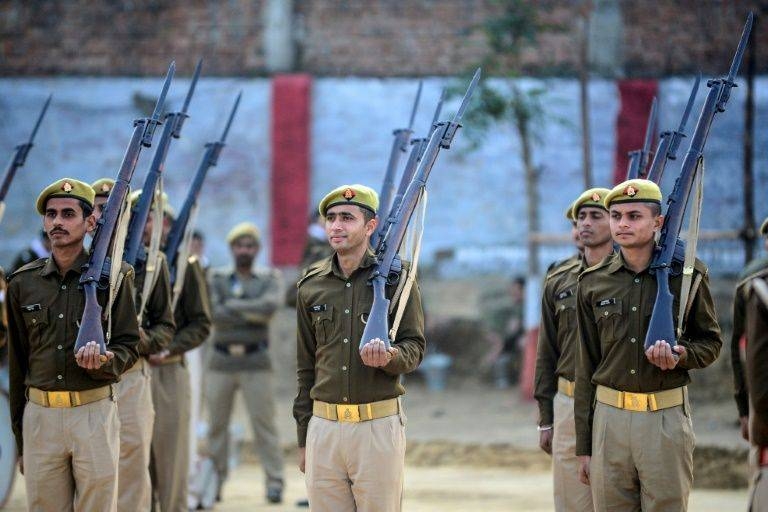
70	457
641	460
170	437
259	400
758	487
355	467
570	493
137	416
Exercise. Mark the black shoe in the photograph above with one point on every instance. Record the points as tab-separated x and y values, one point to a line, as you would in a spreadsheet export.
303	503
275	495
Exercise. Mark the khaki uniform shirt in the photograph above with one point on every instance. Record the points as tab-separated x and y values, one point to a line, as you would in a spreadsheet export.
193	313
613	308
44	311
558	336
241	309
331	311
757	357
754	269
157	321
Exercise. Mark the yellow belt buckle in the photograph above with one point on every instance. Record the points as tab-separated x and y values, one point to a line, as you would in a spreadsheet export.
59	399
636	401
348	413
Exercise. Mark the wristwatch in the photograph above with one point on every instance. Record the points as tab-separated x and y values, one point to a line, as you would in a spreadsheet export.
542	428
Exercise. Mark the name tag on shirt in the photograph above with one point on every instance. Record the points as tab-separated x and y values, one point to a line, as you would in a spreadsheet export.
605	302
317	308
31	307
564	295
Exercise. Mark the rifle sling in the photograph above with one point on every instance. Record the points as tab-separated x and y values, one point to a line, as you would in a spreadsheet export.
115	273
410	278
689	287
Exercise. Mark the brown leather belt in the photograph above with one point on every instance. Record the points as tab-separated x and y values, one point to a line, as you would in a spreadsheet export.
566	386
355	413
62	399
641	402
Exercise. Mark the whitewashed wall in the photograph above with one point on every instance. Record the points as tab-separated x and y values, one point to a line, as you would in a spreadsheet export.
477	198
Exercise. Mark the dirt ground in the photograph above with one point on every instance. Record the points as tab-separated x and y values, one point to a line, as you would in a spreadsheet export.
472	447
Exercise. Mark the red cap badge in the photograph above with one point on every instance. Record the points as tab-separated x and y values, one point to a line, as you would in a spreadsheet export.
66	186
349	194
630	191
596	197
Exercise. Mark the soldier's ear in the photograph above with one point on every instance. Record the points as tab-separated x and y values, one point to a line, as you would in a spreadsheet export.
370	226
658	222
90	223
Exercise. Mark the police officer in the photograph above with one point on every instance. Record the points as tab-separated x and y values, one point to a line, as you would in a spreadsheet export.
244	299
633	426
171	394
757	383
755	267
558	349
135	407
350	420
63	406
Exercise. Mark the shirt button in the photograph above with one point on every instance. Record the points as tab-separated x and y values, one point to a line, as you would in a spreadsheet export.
632	340
346	311
634	308
344	399
632	372
34	320
59	377
63	287
605	313
349	284
61	315
59	347
637	279
344	368
346	340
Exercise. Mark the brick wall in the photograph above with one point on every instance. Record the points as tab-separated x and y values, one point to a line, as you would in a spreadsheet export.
349	37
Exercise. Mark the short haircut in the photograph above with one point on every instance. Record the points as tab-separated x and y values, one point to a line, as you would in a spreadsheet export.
198	235
367	214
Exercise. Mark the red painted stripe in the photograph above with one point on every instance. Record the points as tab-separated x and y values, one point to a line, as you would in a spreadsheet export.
290	179
636	97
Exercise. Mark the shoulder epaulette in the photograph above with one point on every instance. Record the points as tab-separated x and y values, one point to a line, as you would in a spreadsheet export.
763	272
38	263
594	268
561	267
311	270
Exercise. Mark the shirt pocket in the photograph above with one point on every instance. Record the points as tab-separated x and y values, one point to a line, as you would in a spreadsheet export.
611	323
36	323
322	322
565	313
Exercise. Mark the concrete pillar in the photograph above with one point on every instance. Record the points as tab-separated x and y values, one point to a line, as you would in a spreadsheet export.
279	43
606	39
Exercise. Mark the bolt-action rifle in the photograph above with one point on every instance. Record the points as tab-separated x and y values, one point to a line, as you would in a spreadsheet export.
387	267
180	230
134	247
638	159
92	277
19	157
399	146
661	326
670	141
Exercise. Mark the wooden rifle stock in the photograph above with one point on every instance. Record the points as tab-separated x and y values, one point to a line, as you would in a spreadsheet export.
387	266
661	326
90	325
